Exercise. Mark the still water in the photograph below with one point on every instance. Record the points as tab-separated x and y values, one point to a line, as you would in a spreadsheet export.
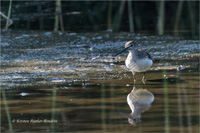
71	86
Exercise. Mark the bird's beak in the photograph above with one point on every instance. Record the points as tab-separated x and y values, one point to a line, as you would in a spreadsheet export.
123	50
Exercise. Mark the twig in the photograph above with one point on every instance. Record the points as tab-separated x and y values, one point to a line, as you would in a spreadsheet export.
9	12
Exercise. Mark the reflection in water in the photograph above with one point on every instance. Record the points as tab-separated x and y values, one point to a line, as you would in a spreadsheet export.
53	106
139	101
166	103
7	110
96	108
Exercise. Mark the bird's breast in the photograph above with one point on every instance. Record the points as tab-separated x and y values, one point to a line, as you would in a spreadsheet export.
138	65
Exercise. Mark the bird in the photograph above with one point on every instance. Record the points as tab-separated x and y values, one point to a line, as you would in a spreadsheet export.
137	60
139	101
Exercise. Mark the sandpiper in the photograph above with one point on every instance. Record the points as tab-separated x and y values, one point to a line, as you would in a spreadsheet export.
137	60
139	101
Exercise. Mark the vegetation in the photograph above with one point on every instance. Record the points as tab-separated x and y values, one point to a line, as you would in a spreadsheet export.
157	17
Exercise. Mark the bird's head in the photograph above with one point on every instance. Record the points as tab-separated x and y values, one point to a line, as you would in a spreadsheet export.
128	46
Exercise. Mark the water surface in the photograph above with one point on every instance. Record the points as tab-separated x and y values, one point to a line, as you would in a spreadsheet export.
42	75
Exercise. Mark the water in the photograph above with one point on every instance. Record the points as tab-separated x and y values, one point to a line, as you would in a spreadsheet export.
42	77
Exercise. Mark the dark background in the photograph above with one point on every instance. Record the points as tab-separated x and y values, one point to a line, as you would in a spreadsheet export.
89	16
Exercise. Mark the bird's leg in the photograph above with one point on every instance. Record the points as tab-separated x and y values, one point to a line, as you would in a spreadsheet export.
134	78
144	79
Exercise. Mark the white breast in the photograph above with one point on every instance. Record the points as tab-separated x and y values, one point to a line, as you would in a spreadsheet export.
138	65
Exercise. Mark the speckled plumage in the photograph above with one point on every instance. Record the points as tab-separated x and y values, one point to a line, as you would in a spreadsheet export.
138	61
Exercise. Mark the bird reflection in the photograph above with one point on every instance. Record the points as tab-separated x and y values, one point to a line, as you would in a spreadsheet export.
139	101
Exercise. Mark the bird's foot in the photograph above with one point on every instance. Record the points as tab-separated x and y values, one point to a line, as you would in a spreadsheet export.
84	84
144	80
134	80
